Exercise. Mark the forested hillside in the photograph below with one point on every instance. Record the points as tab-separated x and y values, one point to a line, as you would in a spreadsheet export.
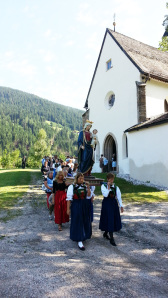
22	115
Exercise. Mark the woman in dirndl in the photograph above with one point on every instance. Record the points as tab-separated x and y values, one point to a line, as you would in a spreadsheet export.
78	200
59	200
110	220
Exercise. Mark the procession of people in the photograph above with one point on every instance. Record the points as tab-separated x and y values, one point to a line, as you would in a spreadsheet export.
72	199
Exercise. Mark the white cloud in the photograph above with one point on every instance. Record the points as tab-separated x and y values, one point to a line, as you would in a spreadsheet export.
69	43
9	54
84	6
93	41
52	36
129	7
49	56
22	67
50	70
26	8
85	15
88	57
47	33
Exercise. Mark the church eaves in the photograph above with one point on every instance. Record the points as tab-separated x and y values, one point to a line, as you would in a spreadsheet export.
153	121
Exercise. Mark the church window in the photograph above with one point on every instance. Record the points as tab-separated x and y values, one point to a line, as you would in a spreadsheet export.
165	105
108	64
109	100
124	146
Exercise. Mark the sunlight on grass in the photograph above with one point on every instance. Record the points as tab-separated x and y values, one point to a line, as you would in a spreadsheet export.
135	193
146	197
9	195
14	184
18	170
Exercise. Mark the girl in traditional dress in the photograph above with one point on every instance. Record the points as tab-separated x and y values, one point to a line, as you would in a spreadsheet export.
78	196
59	200
48	182
110	220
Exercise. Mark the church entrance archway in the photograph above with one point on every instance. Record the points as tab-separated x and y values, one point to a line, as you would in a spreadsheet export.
109	150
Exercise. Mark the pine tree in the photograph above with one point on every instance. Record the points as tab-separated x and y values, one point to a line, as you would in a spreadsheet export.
163	45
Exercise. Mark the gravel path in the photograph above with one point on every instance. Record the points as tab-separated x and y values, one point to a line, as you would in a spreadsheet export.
37	260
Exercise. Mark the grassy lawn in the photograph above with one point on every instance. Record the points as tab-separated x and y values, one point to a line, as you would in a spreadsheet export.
135	193
13	185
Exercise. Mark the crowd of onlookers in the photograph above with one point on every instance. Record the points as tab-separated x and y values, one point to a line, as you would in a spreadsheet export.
103	163
54	164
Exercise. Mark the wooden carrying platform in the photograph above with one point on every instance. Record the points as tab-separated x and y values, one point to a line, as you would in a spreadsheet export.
93	181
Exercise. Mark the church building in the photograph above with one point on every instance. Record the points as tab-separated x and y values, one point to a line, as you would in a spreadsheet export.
128	103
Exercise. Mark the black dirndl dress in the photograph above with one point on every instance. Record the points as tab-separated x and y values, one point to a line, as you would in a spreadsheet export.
80	228
110	220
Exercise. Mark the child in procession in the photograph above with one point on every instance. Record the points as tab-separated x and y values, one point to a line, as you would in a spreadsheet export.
59	200
110	220
48	182
78	201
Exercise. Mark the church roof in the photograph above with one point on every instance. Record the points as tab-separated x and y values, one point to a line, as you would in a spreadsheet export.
153	121
149	60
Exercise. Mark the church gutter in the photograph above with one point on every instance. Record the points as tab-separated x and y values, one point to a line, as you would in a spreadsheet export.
136	128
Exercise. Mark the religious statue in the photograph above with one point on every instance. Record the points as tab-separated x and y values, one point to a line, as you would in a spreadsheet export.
85	149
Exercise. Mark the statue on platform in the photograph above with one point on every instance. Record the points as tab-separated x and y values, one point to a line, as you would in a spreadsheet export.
85	149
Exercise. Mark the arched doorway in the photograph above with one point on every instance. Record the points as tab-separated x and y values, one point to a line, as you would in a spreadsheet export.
109	150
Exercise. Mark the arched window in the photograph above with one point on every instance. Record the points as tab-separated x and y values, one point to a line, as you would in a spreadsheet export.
165	105
125	146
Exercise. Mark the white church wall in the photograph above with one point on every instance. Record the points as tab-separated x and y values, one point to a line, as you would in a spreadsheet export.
121	80
156	93
148	154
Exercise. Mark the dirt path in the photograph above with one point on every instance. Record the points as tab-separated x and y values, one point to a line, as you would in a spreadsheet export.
38	261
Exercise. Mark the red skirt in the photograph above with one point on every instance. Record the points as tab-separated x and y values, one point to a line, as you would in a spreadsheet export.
48	194
60	207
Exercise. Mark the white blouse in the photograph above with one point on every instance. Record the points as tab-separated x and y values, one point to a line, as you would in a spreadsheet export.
105	192
70	193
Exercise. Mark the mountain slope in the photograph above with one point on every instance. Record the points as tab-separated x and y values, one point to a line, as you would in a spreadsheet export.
23	114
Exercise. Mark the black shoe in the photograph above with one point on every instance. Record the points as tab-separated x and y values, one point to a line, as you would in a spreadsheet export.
113	242
81	248
106	236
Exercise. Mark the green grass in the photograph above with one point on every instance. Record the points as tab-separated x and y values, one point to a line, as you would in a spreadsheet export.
135	193
13	185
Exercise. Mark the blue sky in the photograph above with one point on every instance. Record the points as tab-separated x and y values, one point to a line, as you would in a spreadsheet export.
50	47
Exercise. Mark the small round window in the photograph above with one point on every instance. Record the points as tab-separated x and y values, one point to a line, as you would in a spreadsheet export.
109	100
